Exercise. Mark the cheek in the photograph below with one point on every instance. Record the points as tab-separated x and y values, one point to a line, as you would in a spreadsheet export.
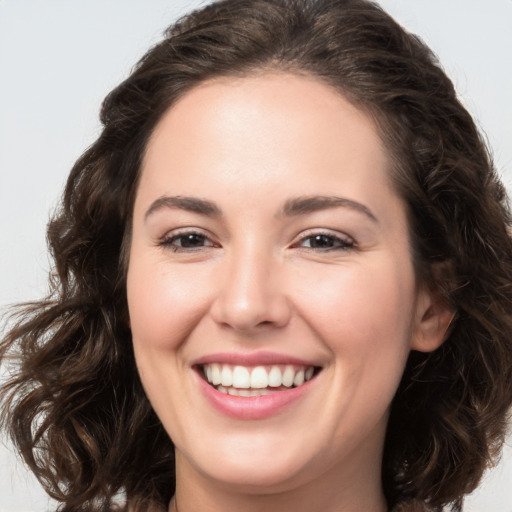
164	306
362	310
365	317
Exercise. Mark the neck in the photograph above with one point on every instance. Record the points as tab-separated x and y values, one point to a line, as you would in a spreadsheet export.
271	503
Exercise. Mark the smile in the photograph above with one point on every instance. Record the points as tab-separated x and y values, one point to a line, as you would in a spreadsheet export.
247	381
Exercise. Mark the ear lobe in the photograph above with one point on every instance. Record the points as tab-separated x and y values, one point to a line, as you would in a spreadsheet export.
433	321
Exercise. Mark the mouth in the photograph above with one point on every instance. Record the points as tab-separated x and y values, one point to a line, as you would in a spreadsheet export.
254	381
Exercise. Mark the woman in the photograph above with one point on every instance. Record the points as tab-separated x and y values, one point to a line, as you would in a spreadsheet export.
288	202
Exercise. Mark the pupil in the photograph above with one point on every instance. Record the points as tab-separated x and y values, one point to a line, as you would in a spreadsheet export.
192	240
321	241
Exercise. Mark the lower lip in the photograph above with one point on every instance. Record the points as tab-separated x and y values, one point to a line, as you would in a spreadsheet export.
253	407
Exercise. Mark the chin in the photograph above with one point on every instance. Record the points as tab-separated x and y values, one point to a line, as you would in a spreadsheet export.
272	478
255	468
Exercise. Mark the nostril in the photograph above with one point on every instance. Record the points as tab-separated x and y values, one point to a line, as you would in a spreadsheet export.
247	303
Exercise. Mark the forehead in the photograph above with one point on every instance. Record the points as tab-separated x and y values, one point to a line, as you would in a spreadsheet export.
271	129
274	100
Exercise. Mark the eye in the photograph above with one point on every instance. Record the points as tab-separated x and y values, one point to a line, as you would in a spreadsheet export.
187	241
325	242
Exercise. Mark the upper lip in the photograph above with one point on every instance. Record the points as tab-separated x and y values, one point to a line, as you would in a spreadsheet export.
260	358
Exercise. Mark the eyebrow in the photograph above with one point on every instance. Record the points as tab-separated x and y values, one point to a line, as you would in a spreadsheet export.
190	204
291	208
310	204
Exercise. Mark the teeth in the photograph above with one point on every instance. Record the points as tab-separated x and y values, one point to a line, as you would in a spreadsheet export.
259	378
216	375
208	373
226	376
256	381
288	376
275	378
299	378
243	392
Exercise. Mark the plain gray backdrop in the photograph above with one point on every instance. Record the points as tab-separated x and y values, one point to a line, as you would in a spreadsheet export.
59	58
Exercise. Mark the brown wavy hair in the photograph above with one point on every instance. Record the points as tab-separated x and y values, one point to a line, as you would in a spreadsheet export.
74	405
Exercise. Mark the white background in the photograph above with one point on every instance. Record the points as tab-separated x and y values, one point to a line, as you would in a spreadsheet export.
59	58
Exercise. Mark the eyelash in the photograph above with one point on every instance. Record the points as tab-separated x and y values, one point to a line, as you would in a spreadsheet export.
339	243
168	241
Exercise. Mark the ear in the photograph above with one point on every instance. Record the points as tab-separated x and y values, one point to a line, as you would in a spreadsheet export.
433	320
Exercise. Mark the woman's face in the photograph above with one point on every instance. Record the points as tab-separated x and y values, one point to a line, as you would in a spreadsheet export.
268	248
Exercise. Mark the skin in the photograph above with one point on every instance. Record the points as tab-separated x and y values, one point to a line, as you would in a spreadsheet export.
256	281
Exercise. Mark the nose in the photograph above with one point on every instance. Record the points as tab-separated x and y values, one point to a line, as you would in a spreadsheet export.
251	295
